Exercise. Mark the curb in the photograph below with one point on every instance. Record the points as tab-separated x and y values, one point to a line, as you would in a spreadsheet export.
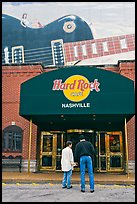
59	181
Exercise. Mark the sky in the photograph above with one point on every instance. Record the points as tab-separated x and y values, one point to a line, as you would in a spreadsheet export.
105	18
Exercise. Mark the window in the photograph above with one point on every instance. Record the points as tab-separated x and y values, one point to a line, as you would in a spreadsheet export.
12	139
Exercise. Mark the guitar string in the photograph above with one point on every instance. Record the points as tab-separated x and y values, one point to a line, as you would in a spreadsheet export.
50	59
33	55
71	48
102	53
87	41
97	41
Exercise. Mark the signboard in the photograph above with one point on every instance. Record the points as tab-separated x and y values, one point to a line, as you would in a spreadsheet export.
76	88
80	90
54	38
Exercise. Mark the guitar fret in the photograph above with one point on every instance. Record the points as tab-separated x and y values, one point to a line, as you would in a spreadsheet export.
105	46
123	43
111	47
69	52
99	47
84	50
131	42
89	51
80	50
75	51
117	44
72	52
94	49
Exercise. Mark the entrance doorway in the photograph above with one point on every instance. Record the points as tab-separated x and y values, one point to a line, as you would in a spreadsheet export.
50	150
73	135
109	149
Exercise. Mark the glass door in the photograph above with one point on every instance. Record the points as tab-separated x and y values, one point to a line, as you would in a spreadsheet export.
60	146
101	152
114	151
109	151
74	134
48	151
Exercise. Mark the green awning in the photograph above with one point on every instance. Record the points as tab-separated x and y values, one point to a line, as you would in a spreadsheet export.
72	96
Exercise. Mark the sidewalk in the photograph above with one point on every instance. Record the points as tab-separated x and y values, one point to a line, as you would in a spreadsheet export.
56	177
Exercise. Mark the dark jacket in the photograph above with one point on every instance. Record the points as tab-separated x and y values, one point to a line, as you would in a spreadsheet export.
83	148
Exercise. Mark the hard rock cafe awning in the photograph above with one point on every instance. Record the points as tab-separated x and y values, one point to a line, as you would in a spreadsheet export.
82	97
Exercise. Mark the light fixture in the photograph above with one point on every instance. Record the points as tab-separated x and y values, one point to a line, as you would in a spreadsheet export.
90	131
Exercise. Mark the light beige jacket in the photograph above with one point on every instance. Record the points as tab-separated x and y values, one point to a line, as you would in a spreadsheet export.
67	159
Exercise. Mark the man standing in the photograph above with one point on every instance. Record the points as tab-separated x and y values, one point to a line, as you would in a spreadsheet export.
67	163
84	152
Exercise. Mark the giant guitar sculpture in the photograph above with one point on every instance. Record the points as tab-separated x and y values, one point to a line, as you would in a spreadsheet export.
64	41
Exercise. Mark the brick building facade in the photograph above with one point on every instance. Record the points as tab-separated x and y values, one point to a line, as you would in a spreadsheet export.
14	75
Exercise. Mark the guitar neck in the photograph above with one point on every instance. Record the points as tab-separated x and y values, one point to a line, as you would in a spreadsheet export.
67	53
98	47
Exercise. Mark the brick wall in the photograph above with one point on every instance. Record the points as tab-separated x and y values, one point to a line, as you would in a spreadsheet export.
12	77
127	69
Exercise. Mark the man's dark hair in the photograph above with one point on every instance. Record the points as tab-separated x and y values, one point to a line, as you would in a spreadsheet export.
82	137
68	143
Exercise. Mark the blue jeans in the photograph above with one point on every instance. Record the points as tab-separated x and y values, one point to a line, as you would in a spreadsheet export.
67	178
86	161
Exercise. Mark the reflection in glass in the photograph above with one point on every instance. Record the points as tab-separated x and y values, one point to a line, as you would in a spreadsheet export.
59	150
58	162
59	144
103	163
47	143
114	143
102	144
46	160
115	161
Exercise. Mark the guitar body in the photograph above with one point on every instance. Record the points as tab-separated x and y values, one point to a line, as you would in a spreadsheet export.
65	41
69	28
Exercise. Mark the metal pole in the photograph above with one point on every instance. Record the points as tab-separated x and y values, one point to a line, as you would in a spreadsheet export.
126	145
99	152
30	135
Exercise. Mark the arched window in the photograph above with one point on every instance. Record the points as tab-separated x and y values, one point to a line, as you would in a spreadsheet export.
12	139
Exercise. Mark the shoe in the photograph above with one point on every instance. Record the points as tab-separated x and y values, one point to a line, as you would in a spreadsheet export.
92	191
82	190
64	186
69	187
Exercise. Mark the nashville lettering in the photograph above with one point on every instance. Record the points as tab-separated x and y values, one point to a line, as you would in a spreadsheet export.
81	85
76	105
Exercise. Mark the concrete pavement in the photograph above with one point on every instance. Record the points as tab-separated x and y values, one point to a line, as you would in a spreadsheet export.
48	192
56	177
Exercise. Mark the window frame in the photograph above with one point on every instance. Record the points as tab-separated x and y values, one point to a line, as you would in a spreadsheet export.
12	133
